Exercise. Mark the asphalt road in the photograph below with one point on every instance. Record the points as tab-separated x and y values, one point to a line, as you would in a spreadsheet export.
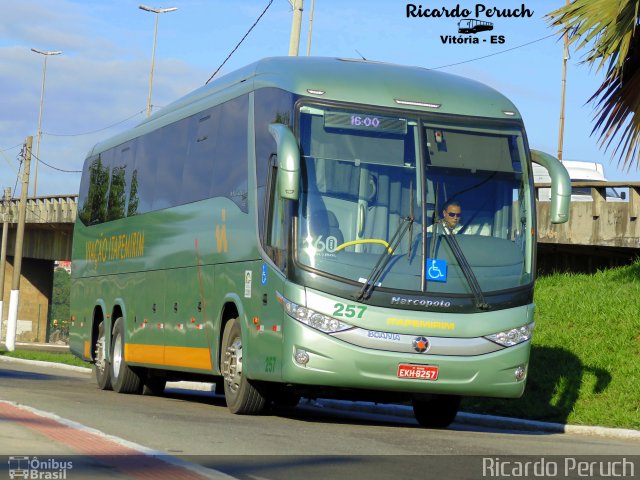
307	442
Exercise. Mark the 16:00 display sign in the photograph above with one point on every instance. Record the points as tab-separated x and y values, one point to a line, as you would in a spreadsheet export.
361	121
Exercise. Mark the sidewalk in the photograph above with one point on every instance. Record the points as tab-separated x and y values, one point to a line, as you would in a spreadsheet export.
59	448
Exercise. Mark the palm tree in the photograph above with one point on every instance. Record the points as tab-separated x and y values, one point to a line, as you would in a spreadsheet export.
609	29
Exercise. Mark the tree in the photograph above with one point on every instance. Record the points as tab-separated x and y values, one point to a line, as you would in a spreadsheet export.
60	311
609	29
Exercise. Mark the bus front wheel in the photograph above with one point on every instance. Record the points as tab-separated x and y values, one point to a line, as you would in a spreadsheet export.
123	378
436	411
242	397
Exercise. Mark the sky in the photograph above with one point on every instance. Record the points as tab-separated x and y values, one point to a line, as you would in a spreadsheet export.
99	85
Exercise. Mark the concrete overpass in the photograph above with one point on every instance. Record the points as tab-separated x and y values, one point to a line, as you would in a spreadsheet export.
599	233
47	237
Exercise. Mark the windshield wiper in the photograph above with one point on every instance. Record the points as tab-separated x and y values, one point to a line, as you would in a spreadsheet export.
472	281
383	259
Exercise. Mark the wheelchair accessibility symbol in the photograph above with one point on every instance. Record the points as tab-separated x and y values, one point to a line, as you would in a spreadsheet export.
436	270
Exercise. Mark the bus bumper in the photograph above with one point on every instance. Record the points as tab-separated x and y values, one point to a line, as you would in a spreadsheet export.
335	363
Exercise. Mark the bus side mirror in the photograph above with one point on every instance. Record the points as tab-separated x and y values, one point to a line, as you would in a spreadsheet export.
288	161
560	185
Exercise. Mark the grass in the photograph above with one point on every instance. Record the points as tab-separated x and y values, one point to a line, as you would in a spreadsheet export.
584	357
54	357
583	368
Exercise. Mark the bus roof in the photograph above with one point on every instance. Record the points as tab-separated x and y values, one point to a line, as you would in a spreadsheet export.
355	81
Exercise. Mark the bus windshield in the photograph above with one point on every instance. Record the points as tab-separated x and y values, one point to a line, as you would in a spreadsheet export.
375	183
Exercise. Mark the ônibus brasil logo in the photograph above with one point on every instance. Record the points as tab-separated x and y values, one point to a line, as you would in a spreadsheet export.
34	468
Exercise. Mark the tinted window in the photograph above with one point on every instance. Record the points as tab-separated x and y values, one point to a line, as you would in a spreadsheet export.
170	150
216	164
199	157
145	170
120	180
271	106
93	207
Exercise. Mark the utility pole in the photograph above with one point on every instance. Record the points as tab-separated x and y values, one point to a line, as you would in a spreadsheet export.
310	28
10	341
294	42
3	251
563	91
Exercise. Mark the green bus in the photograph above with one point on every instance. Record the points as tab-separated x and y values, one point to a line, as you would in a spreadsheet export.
280	232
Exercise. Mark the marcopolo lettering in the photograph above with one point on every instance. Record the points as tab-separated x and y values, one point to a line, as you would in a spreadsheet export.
421	302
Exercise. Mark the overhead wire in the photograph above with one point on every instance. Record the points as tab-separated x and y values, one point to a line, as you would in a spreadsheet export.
6	158
493	54
94	131
240	42
55	168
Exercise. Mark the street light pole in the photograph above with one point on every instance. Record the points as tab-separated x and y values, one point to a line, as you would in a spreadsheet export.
46	55
157	11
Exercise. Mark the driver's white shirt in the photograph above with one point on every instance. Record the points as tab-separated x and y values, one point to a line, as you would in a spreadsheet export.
446	229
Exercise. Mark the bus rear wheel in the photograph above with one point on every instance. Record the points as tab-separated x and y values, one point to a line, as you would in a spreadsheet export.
123	378
243	398
100	364
436	411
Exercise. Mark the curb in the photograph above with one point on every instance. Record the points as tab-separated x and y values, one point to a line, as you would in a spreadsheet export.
463	418
493	421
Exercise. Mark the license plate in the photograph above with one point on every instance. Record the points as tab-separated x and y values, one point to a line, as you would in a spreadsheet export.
418	372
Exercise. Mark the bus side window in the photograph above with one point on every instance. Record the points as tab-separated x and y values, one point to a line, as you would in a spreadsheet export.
271	105
278	220
93	207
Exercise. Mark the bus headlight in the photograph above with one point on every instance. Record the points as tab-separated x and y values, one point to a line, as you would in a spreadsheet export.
312	318
509	338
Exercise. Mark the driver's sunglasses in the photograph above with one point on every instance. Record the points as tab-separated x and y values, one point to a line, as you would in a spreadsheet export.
453	214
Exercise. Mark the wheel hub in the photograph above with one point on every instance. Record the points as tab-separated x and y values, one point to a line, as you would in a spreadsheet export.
233	365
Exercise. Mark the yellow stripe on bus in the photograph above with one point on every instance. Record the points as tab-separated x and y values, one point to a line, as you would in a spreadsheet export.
189	357
186	357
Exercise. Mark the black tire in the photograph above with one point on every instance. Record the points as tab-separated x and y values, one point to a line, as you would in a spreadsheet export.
242	397
101	367
123	378
437	411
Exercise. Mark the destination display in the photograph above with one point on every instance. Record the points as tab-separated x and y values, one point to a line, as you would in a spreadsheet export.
363	121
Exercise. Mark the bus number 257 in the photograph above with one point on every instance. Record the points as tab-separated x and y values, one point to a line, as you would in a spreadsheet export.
349	311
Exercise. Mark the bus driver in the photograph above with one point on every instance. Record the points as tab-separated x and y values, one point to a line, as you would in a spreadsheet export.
451	217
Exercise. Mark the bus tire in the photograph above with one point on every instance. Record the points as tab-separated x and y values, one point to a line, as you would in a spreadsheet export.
242	397
436	411
100	363
123	378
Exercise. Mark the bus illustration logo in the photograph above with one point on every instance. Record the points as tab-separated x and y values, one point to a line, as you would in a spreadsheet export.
473	25
18	467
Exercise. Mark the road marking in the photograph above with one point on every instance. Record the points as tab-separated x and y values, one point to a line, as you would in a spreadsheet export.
129	458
